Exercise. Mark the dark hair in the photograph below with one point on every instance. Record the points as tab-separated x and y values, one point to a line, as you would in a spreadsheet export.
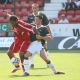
39	16
13	18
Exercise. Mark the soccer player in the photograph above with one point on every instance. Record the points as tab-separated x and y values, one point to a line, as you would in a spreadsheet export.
36	46
22	32
45	22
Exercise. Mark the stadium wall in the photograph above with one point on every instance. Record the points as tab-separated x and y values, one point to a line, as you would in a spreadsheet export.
66	36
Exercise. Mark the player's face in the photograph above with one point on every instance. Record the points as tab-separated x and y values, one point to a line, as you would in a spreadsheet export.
35	9
14	23
37	20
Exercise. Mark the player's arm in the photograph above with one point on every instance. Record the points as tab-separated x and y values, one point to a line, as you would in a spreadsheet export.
7	14
47	37
35	30
50	31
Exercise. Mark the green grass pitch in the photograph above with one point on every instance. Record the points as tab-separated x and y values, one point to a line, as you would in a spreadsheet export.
66	60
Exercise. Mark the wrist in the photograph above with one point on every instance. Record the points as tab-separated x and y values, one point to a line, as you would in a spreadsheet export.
42	37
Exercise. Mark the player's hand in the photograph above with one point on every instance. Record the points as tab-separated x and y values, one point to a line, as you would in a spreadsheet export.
6	12
38	36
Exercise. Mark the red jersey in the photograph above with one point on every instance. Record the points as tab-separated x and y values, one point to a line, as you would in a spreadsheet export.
22	30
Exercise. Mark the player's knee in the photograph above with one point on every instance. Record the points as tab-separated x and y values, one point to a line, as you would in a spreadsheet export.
27	54
21	55
9	53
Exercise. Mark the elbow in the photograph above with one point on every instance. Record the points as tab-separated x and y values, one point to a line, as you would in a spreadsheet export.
52	37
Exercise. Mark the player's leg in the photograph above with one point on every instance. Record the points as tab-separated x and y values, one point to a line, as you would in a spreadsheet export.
46	48
13	49
32	61
23	48
50	63
26	63
31	50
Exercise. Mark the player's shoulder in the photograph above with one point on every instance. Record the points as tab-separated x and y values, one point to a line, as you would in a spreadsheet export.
31	14
42	26
41	13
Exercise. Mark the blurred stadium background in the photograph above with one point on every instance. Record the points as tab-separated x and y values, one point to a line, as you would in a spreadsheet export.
66	36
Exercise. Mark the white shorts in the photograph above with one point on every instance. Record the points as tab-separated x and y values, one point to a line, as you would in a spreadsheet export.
35	47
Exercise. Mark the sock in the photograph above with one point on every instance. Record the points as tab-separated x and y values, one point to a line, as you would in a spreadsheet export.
25	64
22	64
32	59
51	65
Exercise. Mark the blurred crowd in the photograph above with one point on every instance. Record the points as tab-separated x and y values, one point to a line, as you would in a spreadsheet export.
71	5
5	1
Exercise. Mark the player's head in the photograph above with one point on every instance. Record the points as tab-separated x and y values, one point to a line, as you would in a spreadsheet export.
35	7
38	19
13	20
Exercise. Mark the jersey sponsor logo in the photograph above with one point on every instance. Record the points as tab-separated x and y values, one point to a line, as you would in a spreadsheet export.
22	33
75	40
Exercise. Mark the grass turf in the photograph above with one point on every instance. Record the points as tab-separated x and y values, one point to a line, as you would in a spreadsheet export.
64	60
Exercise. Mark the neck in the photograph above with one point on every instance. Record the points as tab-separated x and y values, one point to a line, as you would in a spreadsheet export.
38	25
35	13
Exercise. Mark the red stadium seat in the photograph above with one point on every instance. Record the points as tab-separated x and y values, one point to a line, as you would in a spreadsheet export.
19	13
24	18
24	9
30	2
3	21
2	6
18	6
78	19
61	12
72	20
70	14
30	10
17	10
2	34
1	17
11	13
77	13
1	10
9	10
24	13
2	14
9	6
24	4
39	2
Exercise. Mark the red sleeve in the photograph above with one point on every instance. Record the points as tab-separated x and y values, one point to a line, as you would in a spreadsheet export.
25	24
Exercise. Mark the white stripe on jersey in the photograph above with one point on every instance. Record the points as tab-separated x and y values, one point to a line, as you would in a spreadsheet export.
25	27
